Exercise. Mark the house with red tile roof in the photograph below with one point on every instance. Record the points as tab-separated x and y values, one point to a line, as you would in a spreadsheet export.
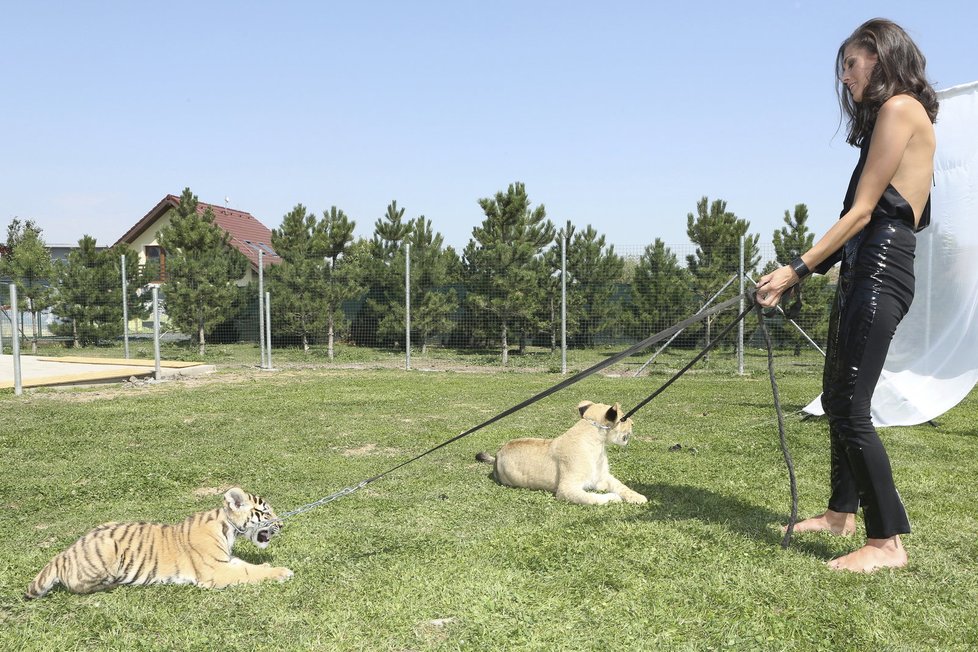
248	235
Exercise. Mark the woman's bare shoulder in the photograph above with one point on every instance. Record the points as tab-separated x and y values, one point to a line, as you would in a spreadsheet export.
903	106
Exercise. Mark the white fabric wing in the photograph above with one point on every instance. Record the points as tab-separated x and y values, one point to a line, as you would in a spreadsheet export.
932	363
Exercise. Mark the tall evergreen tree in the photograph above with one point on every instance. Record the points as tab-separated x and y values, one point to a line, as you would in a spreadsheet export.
390	231
297	284
717	232
342	274
89	292
594	270
790	241
794	238
554	284
202	267
383	279
660	290
504	261
433	299
29	266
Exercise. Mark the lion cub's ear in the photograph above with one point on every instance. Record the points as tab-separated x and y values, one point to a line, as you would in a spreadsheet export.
583	406
612	414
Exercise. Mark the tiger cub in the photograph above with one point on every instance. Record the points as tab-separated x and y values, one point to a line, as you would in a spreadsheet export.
196	551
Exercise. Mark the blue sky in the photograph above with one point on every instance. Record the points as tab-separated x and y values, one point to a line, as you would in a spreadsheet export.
616	114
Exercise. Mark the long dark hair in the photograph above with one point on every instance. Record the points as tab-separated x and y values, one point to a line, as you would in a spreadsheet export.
899	70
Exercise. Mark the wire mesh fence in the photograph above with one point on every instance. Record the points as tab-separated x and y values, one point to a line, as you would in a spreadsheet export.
412	303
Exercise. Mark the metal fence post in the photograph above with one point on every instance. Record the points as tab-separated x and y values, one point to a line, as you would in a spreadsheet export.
156	332
563	299
268	330
125	311
740	324
407	305
15	338
261	310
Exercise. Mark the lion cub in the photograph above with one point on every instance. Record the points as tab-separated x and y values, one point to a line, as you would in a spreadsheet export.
571	465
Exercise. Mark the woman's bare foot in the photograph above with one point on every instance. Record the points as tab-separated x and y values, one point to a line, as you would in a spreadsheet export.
876	554
839	523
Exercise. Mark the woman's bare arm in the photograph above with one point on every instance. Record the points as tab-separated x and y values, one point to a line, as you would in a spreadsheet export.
898	119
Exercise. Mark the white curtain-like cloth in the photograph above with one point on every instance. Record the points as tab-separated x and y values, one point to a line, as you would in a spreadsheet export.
932	363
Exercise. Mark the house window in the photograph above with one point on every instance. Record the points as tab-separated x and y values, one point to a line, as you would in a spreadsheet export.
155	263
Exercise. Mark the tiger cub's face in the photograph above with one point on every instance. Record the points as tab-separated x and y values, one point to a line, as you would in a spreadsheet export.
248	512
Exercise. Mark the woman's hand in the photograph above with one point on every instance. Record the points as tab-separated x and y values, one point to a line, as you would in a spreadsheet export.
771	286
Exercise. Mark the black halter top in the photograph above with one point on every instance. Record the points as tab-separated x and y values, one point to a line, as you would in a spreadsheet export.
891	207
891	204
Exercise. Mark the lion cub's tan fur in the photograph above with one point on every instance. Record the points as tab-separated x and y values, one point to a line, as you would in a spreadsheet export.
572	465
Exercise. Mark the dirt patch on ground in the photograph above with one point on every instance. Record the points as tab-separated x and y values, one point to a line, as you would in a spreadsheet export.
368	449
204	492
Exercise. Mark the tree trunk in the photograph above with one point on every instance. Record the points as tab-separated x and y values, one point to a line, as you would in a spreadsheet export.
329	338
709	323
305	343
553	326
74	334
30	309
505	346
200	339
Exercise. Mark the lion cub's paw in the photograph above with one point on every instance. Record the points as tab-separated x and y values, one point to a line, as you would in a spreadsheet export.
636	499
283	574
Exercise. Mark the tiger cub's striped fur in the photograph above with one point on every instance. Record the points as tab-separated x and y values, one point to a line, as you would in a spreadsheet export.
196	551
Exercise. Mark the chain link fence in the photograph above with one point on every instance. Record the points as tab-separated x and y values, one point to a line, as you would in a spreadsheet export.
416	310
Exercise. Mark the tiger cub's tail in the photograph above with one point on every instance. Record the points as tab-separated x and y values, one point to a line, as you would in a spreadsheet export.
46	580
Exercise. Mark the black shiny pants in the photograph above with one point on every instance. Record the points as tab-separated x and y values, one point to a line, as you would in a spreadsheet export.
876	287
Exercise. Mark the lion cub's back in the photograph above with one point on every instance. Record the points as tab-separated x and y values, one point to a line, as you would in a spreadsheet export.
527	463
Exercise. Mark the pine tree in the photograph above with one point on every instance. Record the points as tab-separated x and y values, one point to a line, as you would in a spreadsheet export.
433	299
594	270
717	232
383	277
790	241
89	292
793	239
660	290
342	273
202	267
29	266
297	285
552	264
390	232
504	262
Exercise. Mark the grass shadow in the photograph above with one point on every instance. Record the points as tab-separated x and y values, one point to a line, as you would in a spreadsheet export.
671	502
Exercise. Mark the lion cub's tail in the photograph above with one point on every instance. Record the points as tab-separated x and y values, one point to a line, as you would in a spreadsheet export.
485	457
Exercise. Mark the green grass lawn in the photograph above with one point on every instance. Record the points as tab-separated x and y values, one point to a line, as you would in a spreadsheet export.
438	557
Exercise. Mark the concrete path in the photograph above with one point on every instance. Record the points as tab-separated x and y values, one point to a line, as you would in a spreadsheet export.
37	371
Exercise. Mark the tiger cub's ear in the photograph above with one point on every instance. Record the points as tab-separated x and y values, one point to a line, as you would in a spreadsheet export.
235	498
583	406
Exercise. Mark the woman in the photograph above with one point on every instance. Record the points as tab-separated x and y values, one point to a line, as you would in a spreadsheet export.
891	108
